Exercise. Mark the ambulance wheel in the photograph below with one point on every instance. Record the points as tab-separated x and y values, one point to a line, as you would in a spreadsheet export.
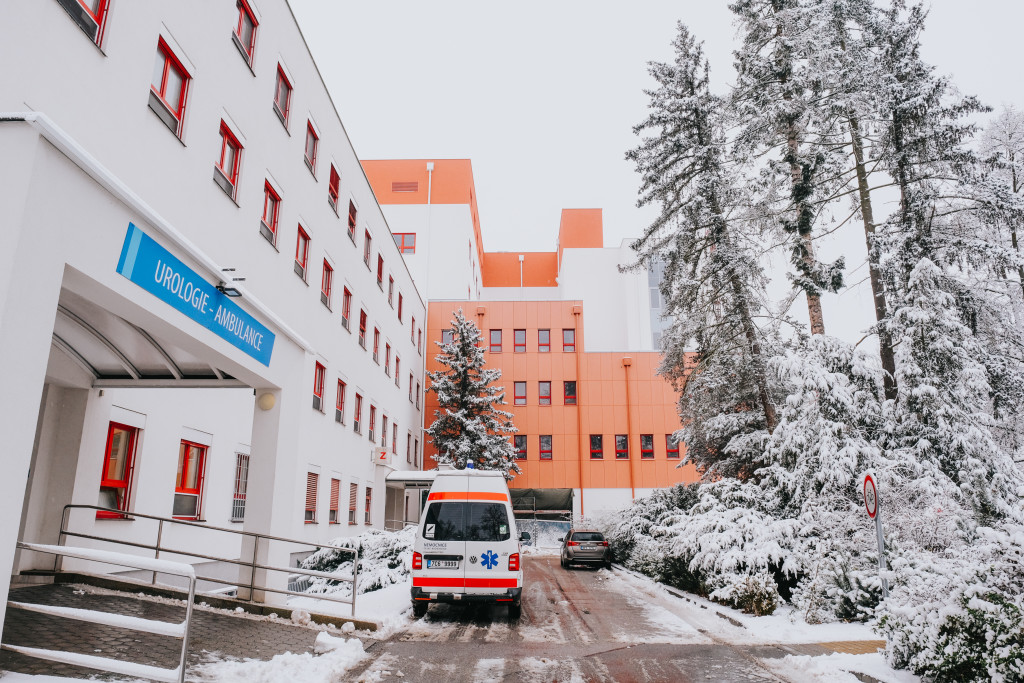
515	610
419	609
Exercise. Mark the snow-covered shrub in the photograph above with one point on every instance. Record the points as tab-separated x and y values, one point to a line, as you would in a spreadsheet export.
385	558
755	593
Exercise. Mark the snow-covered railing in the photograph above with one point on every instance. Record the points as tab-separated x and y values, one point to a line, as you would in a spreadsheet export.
162	628
251	562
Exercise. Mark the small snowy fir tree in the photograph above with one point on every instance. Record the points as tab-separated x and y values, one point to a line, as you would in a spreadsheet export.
468	425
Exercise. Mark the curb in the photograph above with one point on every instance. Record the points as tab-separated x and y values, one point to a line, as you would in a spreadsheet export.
680	594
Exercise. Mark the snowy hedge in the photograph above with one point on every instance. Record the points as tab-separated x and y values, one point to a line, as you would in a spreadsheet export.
385	558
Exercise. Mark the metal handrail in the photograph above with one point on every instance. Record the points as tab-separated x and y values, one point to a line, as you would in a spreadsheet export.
252	564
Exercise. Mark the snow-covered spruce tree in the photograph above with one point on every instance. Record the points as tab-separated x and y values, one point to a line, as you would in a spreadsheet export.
468	425
1002	148
713	284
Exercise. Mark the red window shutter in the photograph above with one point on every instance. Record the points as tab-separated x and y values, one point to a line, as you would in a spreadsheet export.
335	493
353	493
312	480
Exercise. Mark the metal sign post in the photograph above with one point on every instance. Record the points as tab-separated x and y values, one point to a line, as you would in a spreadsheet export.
875	513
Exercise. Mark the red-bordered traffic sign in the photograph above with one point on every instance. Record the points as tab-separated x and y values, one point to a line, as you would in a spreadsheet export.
870	496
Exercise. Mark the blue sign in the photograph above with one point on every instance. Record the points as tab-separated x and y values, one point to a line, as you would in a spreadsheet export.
489	559
159	272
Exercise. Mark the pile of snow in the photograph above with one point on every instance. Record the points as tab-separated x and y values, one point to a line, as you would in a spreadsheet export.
837	668
336	656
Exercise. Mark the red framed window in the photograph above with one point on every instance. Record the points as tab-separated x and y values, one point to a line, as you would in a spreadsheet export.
412	329
387	359
373	423
406	242
369	504
596	446
282	96
411	379
118	467
245	31
312	484
417	395
569	341
367	247
362	328
357	416
332	515
227	165
353	495
339	404
544	393
398	370
671	446
646	446
318	386
621	446
416	452
352	213
419	341
544	341
376	345
408	448
384	431
519	393
301	253
569	394
400	300
334	189
495	341
380	272
346	307
519	442
188	486
312	143
170	87
325	284
241	485
545	447
271	211
519	341
90	15
391	291
394	438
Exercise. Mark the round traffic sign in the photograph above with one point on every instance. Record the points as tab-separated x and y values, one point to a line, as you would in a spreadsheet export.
870	496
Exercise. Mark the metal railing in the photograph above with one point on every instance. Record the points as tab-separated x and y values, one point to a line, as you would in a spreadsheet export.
161	628
252	563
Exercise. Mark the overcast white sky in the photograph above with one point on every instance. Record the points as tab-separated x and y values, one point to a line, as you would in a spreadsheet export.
542	96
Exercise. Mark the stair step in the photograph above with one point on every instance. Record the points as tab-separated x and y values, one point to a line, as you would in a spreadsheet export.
100	663
160	628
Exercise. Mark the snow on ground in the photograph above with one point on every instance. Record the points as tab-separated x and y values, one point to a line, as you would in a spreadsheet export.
835	668
338	656
388	607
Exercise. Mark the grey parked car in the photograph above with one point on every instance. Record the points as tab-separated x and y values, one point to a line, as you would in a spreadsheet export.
585	546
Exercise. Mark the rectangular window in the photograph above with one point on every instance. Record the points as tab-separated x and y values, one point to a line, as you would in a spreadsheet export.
346	307
369	504
312	142
410	387
380	272
282	96
544	341
596	446
226	171
367	247
333	188
332	515
416	452
519	395
447	336
406	242
400	307
646	446
519	441
245	31
325	284
569	341
412	330
241	484
318	387
271	210
362	328
312	482
169	88
387	359
671	446
373	423
545	447
353	496
391	291
118	466
495	341
376	346
408	448
90	15
384	432
339	404
419	341
569	394
544	393
398	370
394	438
519	340
352	212
417	395
301	253
621	446
188	486
357	416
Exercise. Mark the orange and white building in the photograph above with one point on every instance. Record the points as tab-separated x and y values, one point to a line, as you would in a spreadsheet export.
574	337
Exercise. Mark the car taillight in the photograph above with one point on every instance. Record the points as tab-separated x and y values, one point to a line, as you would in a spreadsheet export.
417	561
572	543
604	543
513	562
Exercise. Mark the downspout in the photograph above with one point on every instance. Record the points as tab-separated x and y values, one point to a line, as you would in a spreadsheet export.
626	362
576	311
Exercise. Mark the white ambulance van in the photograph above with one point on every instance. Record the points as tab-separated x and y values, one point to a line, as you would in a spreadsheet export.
467	547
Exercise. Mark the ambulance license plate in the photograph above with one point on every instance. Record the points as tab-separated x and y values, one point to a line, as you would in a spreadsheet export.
442	564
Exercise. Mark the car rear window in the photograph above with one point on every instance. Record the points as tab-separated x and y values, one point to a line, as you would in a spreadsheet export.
588	536
463	521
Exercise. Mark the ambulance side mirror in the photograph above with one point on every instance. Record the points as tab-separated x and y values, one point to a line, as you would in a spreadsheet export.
525	536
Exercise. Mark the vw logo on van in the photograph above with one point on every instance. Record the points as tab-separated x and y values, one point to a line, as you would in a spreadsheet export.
472	559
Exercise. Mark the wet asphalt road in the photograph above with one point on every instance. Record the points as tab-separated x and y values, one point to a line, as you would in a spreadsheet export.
577	625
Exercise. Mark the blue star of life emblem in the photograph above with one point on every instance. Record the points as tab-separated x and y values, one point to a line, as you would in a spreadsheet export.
489	559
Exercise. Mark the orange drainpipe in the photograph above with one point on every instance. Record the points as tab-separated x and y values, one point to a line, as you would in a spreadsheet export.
576	310
626	362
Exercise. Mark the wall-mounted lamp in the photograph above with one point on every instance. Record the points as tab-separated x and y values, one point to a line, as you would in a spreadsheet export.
226	288
266	401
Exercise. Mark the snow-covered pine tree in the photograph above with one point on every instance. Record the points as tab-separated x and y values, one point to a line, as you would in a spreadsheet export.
468	425
1002	147
713	284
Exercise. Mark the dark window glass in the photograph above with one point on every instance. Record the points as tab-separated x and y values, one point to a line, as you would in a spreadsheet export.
588	536
458	521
